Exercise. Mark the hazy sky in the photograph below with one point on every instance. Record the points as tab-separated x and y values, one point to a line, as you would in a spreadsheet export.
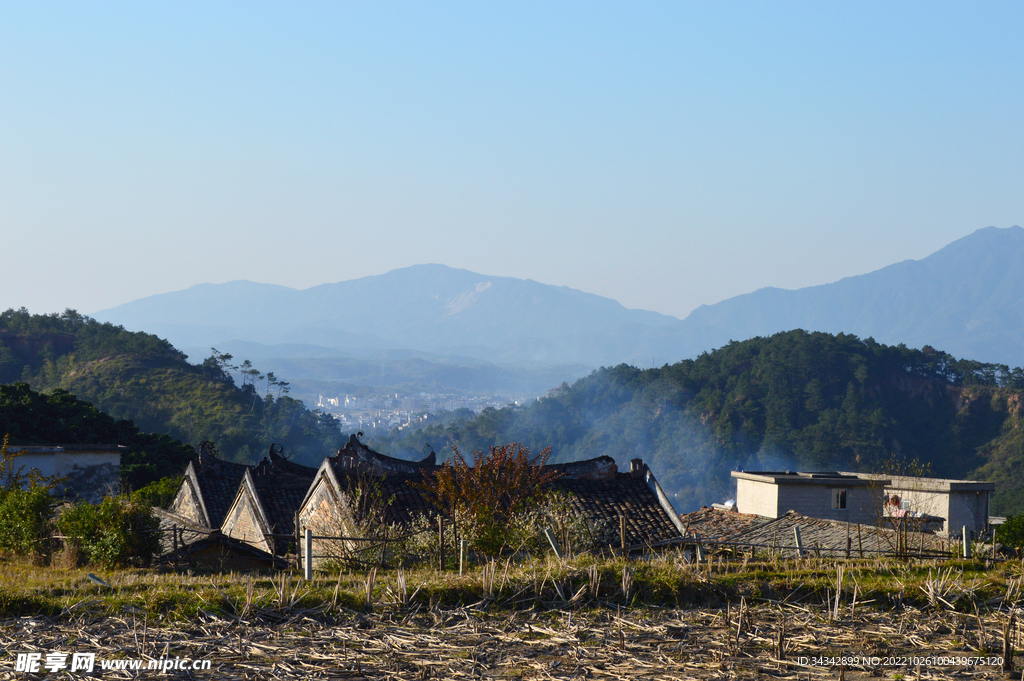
665	155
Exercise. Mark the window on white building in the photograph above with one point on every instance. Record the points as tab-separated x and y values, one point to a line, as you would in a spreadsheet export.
839	499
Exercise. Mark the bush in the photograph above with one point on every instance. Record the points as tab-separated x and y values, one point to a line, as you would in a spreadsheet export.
25	526
487	498
159	493
116	532
1011	533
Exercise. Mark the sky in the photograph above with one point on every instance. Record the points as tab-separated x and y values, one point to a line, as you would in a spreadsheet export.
666	155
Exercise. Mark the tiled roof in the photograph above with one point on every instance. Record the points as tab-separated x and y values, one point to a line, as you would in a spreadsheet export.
829	536
407	500
218	483
602	502
712	523
281	486
402	494
599	501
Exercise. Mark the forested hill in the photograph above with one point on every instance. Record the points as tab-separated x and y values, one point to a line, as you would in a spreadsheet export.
31	418
139	377
794	400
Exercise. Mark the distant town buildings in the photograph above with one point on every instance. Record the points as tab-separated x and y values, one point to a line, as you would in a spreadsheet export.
396	410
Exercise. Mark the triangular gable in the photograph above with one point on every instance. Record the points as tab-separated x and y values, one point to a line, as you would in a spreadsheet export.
188	500
246	519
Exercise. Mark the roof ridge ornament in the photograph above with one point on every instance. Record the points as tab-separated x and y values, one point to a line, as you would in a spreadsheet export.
207	452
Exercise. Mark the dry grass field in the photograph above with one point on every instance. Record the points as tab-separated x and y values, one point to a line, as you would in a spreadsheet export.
586	619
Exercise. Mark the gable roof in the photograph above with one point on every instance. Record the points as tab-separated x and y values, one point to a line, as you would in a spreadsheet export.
278	487
214	483
598	492
603	501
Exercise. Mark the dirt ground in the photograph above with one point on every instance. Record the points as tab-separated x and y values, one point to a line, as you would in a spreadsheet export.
745	640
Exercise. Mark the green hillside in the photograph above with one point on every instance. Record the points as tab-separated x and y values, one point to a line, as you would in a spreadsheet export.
794	400
141	378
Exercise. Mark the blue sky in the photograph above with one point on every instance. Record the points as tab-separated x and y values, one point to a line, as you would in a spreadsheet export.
663	154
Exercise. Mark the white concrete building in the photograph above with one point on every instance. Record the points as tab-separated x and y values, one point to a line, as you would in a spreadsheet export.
959	502
835	496
866	498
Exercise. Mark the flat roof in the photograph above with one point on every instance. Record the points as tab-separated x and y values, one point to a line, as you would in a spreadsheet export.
911	484
848	479
823	478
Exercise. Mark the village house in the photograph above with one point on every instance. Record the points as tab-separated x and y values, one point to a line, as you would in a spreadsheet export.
835	496
207	490
958	503
263	511
337	501
84	472
233	515
928	504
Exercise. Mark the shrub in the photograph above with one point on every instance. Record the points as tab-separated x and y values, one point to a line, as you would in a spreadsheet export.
1011	533
158	493
115	532
25	526
487	498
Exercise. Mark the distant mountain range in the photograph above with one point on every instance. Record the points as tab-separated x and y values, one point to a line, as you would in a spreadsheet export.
426	308
966	299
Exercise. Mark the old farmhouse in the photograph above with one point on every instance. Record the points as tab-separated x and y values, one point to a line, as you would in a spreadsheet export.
337	503
207	490
225	511
263	511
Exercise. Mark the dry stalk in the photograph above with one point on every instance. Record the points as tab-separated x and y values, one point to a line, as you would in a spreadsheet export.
399	595
488	574
594	573
780	640
627	581
371	578
944	587
250	596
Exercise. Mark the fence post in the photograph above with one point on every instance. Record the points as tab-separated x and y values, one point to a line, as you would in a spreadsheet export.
554	542
966	536
462	555
440	544
307	554
799	544
622	533
700	548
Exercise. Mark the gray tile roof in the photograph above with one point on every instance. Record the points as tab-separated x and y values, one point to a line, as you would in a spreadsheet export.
597	492
712	523
218	483
602	502
281	486
829	536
